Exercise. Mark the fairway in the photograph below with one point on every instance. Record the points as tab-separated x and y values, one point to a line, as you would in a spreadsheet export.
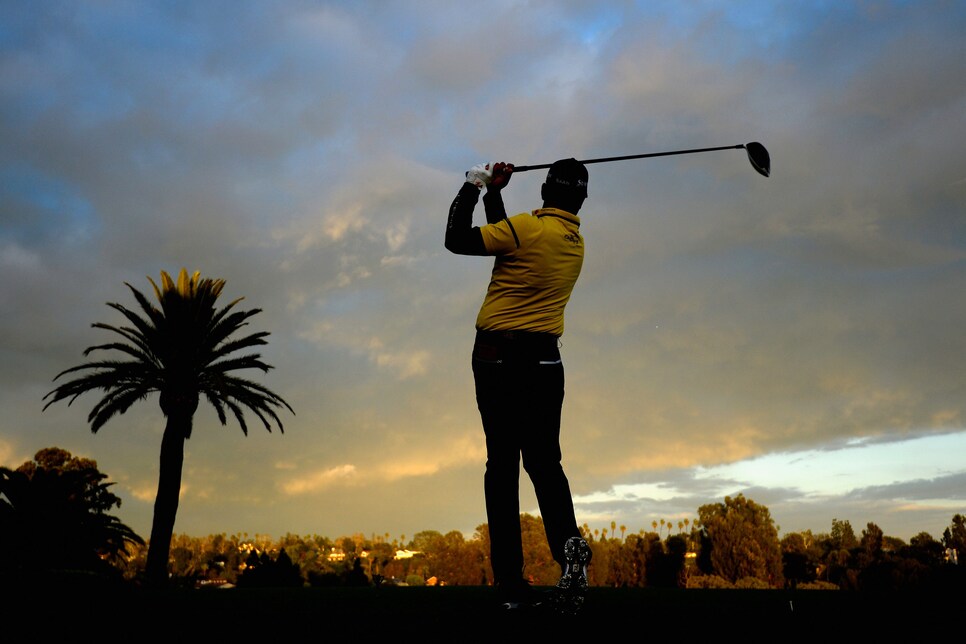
467	614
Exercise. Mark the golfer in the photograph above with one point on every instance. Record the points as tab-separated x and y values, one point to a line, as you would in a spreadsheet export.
517	367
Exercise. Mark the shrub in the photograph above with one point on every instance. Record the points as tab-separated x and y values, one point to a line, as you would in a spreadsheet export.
752	583
709	581
817	585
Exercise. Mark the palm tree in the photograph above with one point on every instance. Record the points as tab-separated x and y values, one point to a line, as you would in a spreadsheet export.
181	351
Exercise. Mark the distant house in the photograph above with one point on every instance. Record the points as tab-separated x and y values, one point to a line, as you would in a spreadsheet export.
336	554
406	554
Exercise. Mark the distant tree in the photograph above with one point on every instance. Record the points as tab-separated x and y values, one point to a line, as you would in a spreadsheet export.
892	544
796	566
426	540
743	540
954	538
875	568
665	560
843	537
265	572
628	563
676	547
348	546
918	564
924	548
357	575
601	571
539	564
380	557
872	539
452	560
183	350
54	513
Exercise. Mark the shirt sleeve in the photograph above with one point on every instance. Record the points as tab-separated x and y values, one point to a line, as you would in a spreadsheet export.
503	237
493	205
461	237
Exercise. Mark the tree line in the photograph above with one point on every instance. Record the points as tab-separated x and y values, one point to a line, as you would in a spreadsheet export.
55	520
54	512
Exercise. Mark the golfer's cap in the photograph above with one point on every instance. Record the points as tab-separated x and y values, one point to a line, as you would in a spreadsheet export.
568	173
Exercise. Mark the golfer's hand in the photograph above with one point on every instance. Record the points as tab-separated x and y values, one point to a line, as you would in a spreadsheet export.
501	176
479	175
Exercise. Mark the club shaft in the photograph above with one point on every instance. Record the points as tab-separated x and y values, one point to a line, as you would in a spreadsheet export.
524	168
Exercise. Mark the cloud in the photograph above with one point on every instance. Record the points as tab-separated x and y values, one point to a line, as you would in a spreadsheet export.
8	455
401	463
321	480
308	155
405	364
145	494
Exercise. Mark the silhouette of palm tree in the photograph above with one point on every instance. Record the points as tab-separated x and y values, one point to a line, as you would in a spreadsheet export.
182	350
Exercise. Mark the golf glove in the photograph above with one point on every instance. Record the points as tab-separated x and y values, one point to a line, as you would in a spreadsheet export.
501	176
480	175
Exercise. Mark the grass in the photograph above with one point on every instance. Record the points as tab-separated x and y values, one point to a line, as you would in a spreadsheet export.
468	614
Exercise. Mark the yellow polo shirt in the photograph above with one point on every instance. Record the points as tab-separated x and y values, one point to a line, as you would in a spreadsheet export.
538	260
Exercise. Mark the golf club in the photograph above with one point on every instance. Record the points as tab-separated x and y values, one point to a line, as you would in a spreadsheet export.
757	155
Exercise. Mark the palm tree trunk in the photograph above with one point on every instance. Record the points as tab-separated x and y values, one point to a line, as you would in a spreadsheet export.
166	501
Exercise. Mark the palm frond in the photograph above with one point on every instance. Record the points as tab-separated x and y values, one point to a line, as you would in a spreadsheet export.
220	315
261	408
246	393
235	409
114	369
107	376
219	408
115	403
147	326
238	363
138	353
230	348
180	345
131	335
221	329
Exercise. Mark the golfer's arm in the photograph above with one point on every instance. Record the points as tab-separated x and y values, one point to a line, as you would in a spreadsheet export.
493	206
461	237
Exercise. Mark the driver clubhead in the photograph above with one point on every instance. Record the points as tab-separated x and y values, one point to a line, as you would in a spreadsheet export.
759	157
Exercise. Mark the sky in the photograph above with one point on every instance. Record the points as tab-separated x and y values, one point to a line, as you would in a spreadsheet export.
797	339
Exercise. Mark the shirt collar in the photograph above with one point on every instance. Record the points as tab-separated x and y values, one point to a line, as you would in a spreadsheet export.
557	212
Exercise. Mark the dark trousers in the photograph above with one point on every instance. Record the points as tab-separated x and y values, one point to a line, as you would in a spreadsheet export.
519	391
